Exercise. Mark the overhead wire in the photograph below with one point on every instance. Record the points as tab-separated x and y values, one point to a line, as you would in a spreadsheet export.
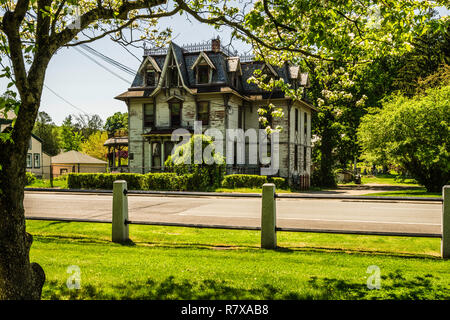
102	66
66	101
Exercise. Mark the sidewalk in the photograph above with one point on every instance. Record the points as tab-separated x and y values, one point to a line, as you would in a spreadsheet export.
356	190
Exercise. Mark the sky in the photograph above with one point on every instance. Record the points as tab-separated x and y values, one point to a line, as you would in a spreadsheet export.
90	88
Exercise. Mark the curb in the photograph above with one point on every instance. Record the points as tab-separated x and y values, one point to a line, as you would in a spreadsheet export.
242	195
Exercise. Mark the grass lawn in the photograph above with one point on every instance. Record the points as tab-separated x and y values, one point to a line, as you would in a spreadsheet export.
190	263
45	183
388	179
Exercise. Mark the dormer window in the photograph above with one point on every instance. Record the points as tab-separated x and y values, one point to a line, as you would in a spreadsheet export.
150	72
203	68
150	78
202	74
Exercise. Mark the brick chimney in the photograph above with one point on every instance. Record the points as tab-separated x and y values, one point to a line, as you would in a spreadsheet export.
215	45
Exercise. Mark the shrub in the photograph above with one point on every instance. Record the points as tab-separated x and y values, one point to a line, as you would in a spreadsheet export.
135	181
168	181
203	176
280	183
103	180
31	178
244	181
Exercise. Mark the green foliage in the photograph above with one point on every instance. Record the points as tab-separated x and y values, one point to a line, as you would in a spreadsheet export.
70	138
94	147
168	181
413	133
233	181
47	131
280	183
31	178
244	181
135	181
430	51
103	181
86	125
206	175
118	121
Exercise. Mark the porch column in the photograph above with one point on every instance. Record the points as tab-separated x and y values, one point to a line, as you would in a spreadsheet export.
162	155
151	155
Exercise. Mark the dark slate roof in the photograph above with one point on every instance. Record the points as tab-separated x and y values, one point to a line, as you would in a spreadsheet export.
181	63
220	78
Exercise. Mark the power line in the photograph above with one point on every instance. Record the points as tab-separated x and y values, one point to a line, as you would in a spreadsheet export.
69	103
99	64
108	60
123	46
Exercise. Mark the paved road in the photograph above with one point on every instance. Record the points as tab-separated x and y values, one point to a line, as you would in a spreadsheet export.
415	217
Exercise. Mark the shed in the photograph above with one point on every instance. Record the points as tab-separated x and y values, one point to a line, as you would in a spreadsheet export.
74	161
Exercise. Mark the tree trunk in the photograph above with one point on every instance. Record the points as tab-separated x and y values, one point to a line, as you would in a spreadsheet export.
19	279
326	161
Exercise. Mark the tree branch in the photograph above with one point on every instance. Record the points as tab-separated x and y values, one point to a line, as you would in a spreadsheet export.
222	20
101	13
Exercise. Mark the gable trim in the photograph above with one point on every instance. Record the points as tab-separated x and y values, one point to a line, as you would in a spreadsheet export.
162	78
152	62
268	66
205	57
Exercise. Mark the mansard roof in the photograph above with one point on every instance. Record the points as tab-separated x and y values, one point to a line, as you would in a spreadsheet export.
223	64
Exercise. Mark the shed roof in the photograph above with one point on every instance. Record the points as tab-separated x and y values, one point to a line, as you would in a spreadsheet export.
75	157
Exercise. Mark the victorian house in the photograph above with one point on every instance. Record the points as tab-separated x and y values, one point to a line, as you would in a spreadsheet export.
176	86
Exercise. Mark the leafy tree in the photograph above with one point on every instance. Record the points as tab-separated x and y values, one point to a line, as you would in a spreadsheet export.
413	133
429	52
118	121
206	173
70	138
88	124
94	145
45	129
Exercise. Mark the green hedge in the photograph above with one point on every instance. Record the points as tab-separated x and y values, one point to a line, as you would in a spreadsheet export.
251	181
135	181
280	183
244	181
103	180
166	181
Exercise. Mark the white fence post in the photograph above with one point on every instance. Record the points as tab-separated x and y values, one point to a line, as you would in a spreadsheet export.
268	217
445	242
120	212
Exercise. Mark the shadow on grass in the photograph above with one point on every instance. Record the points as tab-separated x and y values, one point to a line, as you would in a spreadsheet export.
361	252
393	286
74	239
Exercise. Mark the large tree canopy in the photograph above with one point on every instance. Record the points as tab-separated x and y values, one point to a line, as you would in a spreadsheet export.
413	133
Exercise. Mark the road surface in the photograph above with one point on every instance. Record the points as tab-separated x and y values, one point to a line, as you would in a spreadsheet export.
357	215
